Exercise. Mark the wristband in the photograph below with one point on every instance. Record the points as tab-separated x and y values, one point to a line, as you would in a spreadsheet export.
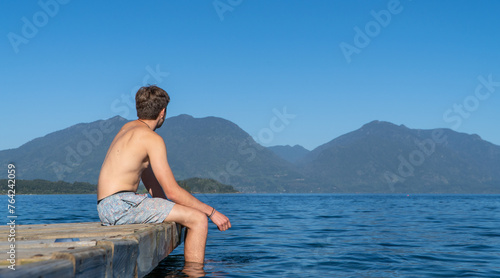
211	214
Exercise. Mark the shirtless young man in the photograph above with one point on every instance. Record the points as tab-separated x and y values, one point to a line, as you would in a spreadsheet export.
137	152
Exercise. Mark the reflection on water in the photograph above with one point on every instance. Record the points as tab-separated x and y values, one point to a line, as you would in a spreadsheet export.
173	267
193	269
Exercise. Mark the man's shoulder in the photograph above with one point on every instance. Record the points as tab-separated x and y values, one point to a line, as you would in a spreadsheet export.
143	134
149	136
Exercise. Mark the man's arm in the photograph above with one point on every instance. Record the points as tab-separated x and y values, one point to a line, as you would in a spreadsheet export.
152	184
159	173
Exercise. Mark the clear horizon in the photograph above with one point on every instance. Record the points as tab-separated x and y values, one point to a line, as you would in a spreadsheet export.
322	68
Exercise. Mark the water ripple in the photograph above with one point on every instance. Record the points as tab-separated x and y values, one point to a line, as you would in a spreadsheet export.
326	235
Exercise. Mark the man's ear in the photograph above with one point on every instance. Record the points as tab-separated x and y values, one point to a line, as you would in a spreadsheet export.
162	113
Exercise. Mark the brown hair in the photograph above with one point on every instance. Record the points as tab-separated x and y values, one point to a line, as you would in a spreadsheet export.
149	101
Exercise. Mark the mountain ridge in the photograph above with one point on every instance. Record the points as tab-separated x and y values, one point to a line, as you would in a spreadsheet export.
379	157
208	147
401	159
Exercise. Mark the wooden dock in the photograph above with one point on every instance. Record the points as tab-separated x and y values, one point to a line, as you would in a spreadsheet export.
101	251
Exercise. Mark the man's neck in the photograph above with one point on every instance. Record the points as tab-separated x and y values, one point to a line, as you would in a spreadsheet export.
151	124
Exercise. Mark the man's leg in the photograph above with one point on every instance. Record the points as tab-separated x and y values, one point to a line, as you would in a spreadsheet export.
194	220
197	228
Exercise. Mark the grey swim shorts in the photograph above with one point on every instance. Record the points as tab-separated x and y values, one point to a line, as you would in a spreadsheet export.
131	208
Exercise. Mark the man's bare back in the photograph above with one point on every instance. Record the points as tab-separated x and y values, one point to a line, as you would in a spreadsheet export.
125	161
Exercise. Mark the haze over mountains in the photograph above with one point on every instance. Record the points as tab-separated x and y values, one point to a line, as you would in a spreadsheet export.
380	157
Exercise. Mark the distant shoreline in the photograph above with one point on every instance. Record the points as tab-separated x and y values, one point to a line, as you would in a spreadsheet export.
45	187
192	185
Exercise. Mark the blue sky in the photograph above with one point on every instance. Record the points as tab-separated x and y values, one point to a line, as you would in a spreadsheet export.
332	66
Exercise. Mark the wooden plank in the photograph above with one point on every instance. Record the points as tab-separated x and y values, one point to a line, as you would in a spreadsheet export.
72	230
164	241
35	250
171	239
148	249
53	268
87	262
29	255
55	226
103	251
75	232
48	243
178	234
124	253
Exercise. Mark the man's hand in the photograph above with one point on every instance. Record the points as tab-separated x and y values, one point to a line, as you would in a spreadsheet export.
221	221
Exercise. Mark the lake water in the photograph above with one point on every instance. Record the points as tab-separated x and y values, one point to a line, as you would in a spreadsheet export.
326	235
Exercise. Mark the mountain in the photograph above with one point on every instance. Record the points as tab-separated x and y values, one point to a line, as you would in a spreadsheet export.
196	147
383	157
216	148
289	153
380	157
72	154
